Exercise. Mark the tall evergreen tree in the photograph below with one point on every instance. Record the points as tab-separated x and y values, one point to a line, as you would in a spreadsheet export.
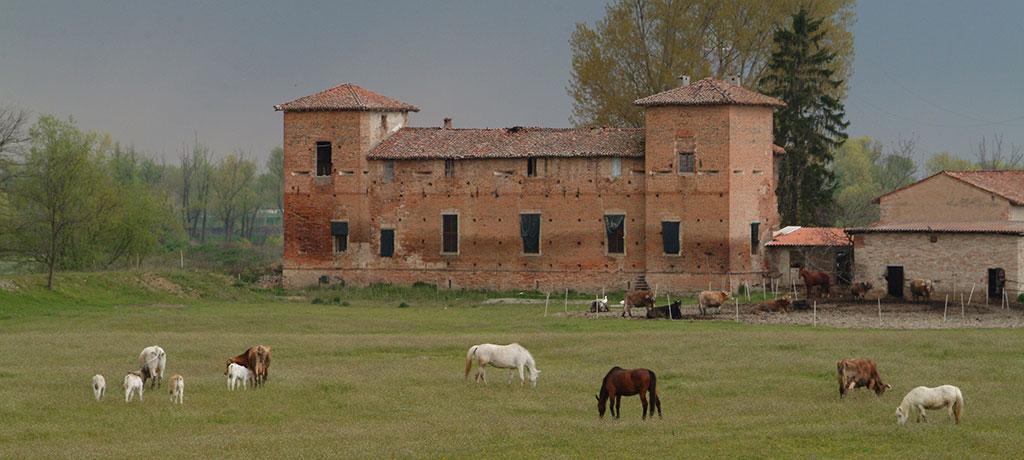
812	124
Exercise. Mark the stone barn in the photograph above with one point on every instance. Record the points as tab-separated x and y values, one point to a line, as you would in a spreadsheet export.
959	229
686	200
816	248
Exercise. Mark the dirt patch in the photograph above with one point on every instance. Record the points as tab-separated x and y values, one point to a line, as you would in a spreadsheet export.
855	315
8	285
154	282
152	306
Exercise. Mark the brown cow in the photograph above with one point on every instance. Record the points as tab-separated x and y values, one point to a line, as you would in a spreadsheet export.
854	373
820	279
256	359
920	288
715	299
637	299
781	305
859	289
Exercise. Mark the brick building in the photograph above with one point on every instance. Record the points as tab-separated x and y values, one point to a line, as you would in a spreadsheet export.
824	249
687	200
960	229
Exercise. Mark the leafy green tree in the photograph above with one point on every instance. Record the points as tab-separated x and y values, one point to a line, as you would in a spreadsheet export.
856	170
939	162
58	197
811	125
231	189
641	47
275	177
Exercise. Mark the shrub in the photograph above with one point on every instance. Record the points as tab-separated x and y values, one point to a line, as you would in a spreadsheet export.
344	303
403	305
317	300
1020	297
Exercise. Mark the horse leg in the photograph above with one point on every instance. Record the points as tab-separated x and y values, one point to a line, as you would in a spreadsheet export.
522	378
643	404
920	414
511	375
618	405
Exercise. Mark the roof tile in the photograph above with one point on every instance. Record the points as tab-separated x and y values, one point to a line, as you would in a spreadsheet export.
346	97
813	236
1005	227
517	142
709	92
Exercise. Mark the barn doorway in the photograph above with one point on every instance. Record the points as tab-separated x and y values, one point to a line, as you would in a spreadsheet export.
996	282
894	278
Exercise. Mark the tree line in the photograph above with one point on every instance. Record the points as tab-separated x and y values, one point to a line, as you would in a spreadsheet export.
71	199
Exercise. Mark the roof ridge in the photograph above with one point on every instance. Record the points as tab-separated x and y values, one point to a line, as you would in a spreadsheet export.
355	95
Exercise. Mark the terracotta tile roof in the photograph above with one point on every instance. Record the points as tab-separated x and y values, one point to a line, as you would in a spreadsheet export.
813	236
709	92
778	150
518	142
1008	184
346	97
1005	227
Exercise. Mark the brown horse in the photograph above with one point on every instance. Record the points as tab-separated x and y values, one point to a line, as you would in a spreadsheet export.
256	359
621	382
812	279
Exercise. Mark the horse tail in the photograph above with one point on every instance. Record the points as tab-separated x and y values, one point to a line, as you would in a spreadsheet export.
958	405
654	385
469	360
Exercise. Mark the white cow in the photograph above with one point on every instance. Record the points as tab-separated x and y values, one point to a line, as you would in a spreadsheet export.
238	374
132	385
176	387
153	360
99	386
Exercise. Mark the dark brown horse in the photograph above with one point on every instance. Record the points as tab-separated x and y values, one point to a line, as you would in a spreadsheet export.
621	382
812	279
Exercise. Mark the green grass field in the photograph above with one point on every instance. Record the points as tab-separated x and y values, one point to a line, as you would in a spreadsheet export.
373	380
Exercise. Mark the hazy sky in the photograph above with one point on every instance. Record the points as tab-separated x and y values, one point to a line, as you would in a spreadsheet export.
155	74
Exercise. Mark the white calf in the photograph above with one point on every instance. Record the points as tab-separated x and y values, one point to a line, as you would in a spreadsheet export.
236	374
153	361
177	389
132	385
99	386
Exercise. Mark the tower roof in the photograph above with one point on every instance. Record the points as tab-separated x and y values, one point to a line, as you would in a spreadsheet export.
346	97
709	92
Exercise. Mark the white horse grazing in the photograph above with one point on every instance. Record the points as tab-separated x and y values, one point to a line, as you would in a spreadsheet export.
153	360
132	385
238	375
176	387
99	386
931	398
512	357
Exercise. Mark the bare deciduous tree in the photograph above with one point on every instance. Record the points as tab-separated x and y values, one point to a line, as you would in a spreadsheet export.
990	155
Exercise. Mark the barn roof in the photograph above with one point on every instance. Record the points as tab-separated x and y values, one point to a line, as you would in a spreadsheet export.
517	142
1003	227
1007	184
813	236
709	92
346	97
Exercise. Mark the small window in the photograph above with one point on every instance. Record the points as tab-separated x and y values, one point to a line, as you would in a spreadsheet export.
531	167
450	233
389	172
685	163
449	169
323	158
755	237
616	166
529	229
383	123
339	230
387	243
670	237
614	227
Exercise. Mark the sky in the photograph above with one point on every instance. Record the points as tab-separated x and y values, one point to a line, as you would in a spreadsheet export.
156	75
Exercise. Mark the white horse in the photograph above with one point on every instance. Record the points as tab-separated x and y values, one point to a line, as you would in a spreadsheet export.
931	398
512	357
99	386
153	360
238	376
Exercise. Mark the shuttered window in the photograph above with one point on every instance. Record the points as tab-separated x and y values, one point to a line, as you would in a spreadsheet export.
529	229
340	232
387	243
614	227
670	237
389	172
616	166
449	233
755	237
449	169
323	158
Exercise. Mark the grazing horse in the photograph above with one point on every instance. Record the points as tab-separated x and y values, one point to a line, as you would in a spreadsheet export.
619	382
931	398
811	279
512	357
153	360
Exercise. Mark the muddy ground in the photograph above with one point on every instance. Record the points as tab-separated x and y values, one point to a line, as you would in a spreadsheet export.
853	314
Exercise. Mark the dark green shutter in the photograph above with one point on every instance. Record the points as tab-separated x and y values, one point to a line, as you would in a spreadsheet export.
387	243
339	228
670	237
529	229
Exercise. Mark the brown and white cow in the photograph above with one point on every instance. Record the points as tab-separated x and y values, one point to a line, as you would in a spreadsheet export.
708	299
781	305
256	359
858	372
637	299
921	288
860	289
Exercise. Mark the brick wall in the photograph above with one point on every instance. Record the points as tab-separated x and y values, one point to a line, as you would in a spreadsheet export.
942	198
960	259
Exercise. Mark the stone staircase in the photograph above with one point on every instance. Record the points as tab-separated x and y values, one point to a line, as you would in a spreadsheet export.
641	283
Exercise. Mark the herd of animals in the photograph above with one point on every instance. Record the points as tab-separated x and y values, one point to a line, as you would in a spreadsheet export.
250	366
822	281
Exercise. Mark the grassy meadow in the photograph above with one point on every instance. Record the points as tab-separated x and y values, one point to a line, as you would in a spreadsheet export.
362	376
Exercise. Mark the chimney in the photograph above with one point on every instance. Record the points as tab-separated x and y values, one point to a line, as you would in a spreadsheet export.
684	80
733	79
447	123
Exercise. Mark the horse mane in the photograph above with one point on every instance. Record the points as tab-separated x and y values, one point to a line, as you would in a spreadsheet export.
605	380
